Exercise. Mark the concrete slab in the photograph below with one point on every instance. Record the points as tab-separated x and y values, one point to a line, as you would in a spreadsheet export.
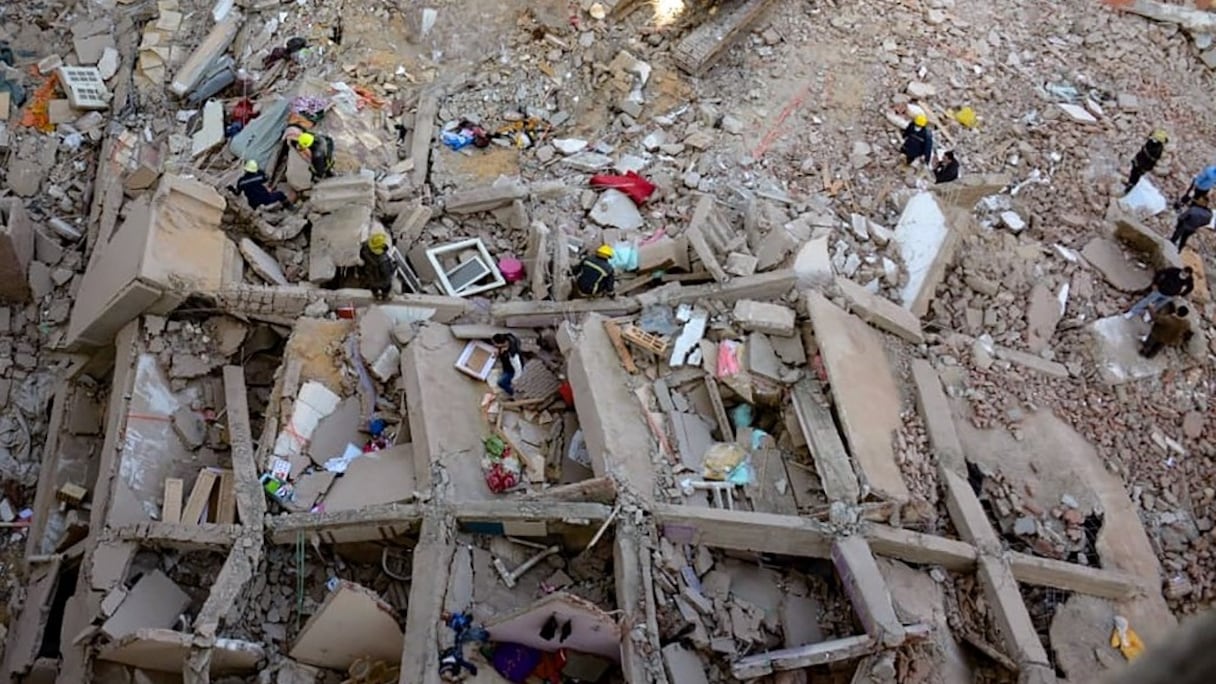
771	319
925	240
352	623
444	408
1116	350
1106	256
608	412
1043	313
866	395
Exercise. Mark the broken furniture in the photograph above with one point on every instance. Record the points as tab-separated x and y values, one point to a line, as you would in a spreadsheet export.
477	360
472	266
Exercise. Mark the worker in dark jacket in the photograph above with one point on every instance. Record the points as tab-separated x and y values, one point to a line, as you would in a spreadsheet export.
1168	283
319	150
1171	327
1190	221
253	186
512	363
378	266
1146	159
946	170
594	276
918	140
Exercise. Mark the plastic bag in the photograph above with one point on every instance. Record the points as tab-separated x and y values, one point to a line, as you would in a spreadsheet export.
634	186
728	358
721	458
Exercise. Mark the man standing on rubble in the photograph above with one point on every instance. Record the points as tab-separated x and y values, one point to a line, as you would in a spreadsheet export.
1201	185
378	266
253	186
1167	283
594	276
1190	221
918	140
319	150
1146	159
1170	328
512	363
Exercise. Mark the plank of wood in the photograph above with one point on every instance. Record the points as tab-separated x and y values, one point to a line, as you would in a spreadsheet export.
171	512
199	496
715	398
832	461
705	44
614	334
766	496
226	510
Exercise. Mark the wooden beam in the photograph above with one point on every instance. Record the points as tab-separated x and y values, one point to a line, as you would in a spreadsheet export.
745	530
199	496
1047	572
827	448
226	506
614	334
171	511
916	547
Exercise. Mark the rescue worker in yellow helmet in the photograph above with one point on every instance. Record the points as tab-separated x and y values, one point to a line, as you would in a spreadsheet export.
319	150
1146	159
918	140
595	276
378	268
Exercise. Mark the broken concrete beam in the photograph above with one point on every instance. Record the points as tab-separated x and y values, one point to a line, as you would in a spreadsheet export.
484	198
867	590
211	537
770	319
367	523
536	260
923	549
1160	251
745	530
533	314
250	498
1035	363
237	570
705	253
786	659
664	253
1048	572
881	312
939	421
423	137
608	411
1009	613
331	194
16	251
213	46
832	461
432	558
967	513
166	650
285	304
772	285
926	240
408	227
592	490
813	264
711	39
867	398
965	192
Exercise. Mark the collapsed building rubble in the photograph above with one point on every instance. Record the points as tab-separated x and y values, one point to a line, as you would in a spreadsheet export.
827	420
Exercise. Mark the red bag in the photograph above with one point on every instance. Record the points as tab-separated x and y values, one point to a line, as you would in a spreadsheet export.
637	188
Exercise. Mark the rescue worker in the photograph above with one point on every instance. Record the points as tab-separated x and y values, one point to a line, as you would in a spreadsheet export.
1146	159
319	149
1168	283
1170	328
1190	221
594	276
946	170
918	140
378	266
1201	185
253	186
512	363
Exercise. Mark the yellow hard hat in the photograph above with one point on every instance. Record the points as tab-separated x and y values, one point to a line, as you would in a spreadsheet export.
605	251
251	166
920	120
378	242
305	140
1161	136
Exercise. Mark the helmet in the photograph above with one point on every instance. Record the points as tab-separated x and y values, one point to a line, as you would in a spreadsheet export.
305	140
251	166
1161	136
919	120
378	242
605	251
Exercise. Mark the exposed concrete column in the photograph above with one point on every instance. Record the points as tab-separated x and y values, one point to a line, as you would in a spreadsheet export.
432	560
609	413
867	590
641	642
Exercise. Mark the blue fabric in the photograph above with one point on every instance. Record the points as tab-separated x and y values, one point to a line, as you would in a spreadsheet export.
1206	180
515	661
